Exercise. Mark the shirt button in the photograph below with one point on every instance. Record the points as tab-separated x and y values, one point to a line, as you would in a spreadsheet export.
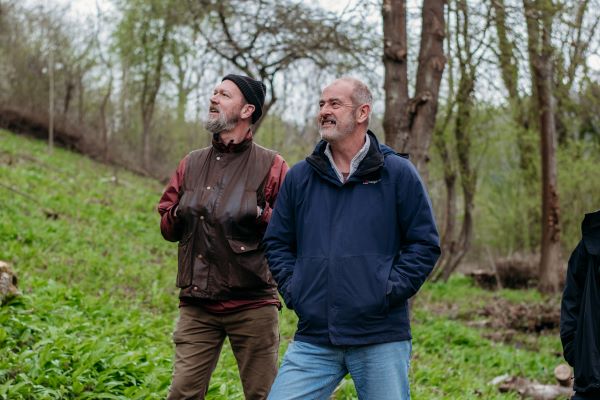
199	256
218	158
195	288
202	217
242	248
208	188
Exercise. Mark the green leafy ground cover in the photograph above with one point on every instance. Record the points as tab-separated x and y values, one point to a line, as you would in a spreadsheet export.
99	302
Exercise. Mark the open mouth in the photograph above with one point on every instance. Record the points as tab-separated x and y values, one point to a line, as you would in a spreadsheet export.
325	123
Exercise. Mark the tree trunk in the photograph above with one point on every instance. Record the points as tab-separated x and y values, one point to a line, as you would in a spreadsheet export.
456	247
450	215
509	68
521	114
152	83
409	123
450	174
429	75
395	118
105	137
539	16
51	96
123	120
70	86
80	93
146	147
506	55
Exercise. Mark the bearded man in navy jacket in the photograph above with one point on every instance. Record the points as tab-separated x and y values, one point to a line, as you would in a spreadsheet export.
351	239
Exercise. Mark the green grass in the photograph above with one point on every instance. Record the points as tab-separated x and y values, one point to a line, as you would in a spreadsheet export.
99	302
454	361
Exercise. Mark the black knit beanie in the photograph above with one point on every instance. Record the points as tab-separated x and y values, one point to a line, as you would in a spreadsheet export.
253	91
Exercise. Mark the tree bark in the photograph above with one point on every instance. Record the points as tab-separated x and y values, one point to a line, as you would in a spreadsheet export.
51	95
539	15
521	112
456	247
396	117
409	122
429	75
105	135
80	95
152	83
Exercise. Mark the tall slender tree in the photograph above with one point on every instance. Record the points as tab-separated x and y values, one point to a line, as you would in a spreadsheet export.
143	38
455	245
409	121
539	16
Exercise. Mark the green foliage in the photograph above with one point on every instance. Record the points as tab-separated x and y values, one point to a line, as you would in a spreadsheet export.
99	302
454	361
508	201
579	187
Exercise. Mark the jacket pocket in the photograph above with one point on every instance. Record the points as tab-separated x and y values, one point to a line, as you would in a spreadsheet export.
184	267
243	246
309	290
248	267
361	288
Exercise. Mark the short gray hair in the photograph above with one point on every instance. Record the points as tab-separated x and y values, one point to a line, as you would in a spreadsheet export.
361	94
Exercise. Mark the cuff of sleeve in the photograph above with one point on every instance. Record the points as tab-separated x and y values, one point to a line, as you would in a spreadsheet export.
173	213
266	214
287	296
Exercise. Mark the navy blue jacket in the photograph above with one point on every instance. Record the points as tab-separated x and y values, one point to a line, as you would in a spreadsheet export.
347	257
580	309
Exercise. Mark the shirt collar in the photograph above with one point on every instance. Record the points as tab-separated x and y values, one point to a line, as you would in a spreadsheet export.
358	157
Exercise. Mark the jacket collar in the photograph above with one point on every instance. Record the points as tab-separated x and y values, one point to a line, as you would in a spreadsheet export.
232	147
368	169
590	229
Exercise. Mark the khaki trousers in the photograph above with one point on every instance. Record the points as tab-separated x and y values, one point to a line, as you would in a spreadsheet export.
199	336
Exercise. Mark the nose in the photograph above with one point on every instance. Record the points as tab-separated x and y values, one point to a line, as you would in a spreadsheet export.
213	99
324	111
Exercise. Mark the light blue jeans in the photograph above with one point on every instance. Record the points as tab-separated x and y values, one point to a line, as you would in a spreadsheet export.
312	372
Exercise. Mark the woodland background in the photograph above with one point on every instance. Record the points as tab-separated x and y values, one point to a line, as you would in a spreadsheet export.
496	101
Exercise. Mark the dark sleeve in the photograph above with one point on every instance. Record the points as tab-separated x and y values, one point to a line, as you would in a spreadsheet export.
170	226
571	300
280	240
420	247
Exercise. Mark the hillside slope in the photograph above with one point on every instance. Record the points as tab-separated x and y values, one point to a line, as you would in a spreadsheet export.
99	301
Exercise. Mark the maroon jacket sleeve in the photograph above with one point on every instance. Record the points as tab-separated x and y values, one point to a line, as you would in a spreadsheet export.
170	226
278	170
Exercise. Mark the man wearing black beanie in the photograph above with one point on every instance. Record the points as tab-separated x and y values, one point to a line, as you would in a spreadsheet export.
217	206
253	91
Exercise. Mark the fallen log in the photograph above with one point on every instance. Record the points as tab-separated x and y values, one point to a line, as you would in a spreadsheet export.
564	375
528	389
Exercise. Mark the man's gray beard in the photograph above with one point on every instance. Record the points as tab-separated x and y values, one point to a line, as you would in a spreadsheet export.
220	124
336	133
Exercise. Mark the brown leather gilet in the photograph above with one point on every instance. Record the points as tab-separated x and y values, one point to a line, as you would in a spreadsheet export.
220	253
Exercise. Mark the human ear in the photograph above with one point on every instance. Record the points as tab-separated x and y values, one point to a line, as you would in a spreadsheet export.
363	113
247	111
